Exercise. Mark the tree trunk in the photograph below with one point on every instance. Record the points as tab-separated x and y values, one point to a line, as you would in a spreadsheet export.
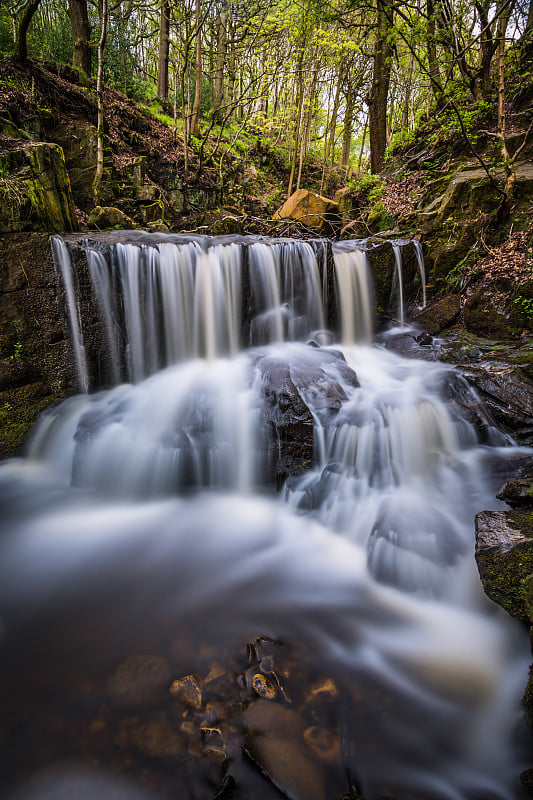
218	83
347	133
330	147
104	18
298	121
164	48
433	64
362	148
507	159
377	111
22	23
308	117
487	48
198	75
407	96
81	35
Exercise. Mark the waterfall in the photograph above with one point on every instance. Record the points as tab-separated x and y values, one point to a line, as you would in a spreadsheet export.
354	293
399	282
421	268
145	522
171	300
62	258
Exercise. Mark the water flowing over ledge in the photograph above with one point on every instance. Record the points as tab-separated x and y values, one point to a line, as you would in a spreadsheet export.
145	520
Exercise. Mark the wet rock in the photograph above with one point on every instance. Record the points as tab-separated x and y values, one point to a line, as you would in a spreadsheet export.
187	690
493	314
324	744
263	687
438	315
326	689
266	717
154	737
526	779
295	392
498	371
517	493
424	339
504	555
291	768
139	680
227	788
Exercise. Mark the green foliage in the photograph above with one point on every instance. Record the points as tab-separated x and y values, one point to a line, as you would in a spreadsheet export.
458	275
525	304
472	118
402	138
50	35
6	31
371	185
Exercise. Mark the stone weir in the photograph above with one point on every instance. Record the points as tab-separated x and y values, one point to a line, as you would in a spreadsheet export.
38	363
137	302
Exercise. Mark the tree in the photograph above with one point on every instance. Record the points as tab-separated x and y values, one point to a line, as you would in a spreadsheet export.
22	14
218	83
198	73
81	35
377	100
164	49
97	182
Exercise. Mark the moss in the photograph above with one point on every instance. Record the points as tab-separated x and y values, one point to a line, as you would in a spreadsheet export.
49	188
19	409
505	568
527	700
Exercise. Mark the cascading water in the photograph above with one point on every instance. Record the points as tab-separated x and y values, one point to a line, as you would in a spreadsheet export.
143	520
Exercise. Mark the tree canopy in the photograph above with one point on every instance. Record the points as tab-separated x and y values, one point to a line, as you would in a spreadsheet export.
338	80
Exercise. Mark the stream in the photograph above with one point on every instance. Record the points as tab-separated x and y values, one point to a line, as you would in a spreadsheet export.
157	519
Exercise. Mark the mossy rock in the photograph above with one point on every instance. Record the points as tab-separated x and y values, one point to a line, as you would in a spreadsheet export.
49	189
504	555
439	315
448	252
19	408
493	315
103	217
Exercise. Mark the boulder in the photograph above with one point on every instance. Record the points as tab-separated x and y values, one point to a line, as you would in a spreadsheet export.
439	315
504	556
37	193
517	493
295	393
310	209
488	312
102	217
139	681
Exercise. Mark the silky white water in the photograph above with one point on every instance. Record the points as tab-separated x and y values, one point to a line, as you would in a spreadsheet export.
149	509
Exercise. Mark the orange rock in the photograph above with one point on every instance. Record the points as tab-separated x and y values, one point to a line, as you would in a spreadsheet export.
309	208
188	691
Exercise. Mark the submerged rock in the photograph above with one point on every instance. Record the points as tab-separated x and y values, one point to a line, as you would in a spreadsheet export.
139	680
187	690
285	762
154	737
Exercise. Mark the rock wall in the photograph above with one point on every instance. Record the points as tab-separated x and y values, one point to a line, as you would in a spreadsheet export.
35	352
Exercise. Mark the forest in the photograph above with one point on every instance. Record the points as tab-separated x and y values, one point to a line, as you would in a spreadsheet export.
338	82
266	399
